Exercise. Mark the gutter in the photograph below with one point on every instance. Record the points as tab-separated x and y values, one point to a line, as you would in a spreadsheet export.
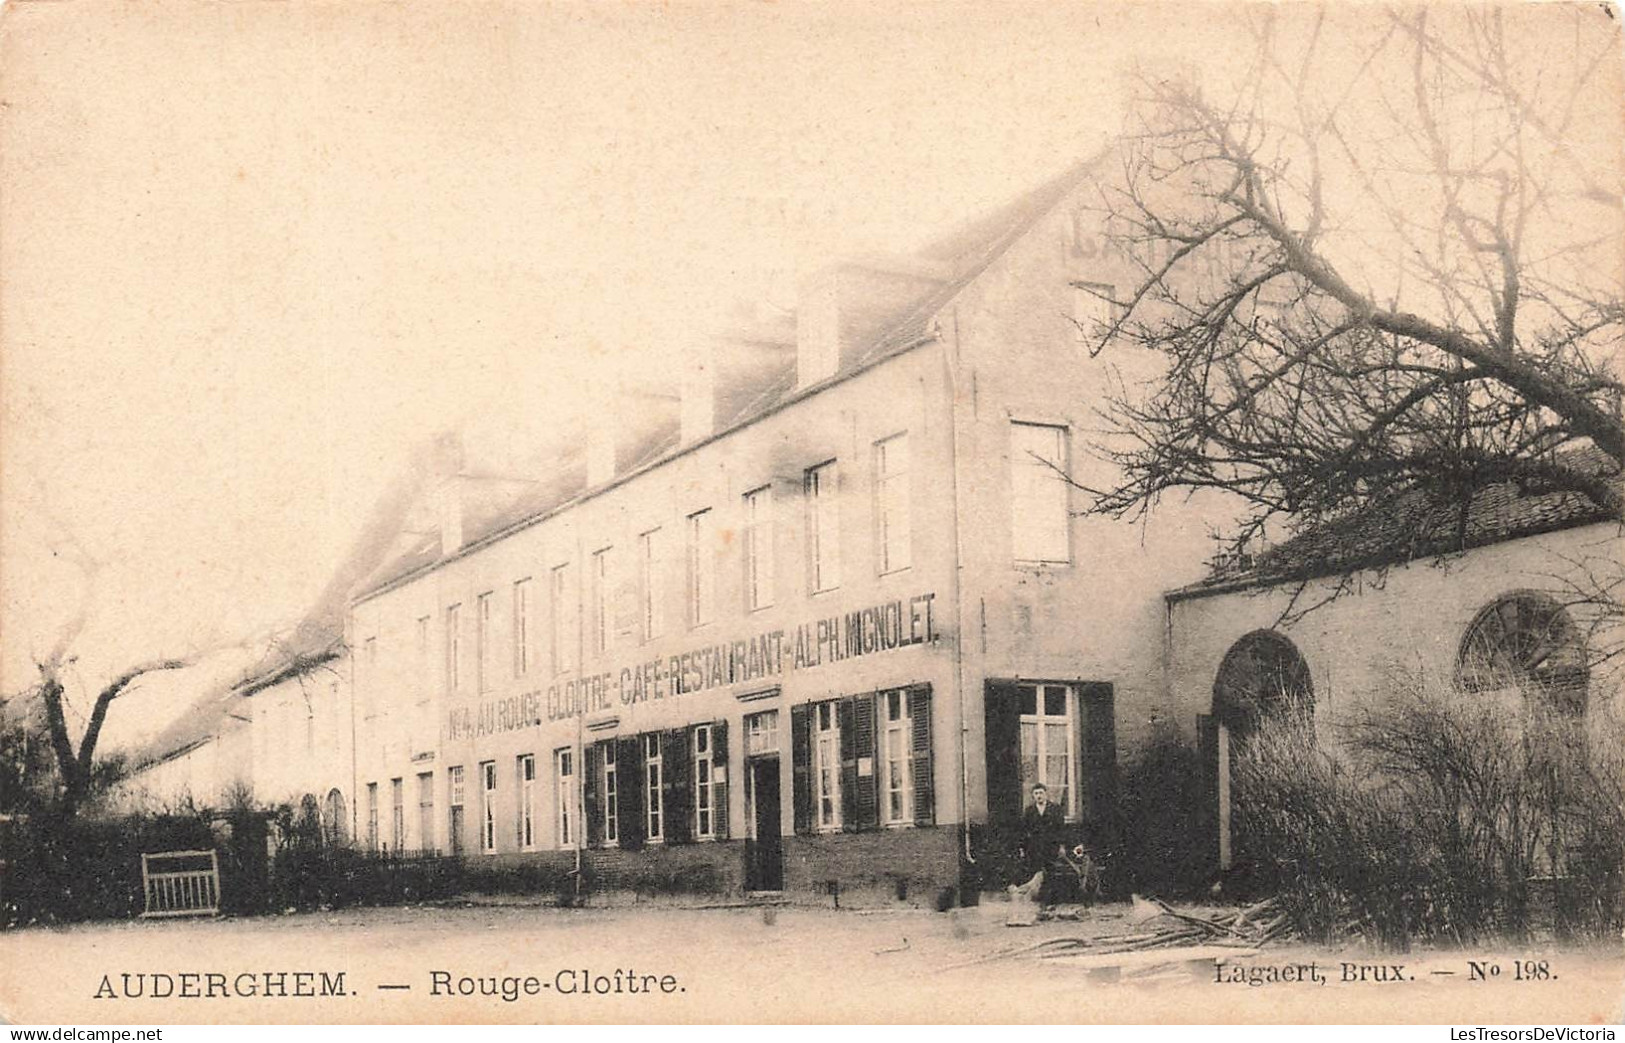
1371	563
950	365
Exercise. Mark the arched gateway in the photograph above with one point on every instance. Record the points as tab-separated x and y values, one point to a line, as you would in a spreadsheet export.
1262	680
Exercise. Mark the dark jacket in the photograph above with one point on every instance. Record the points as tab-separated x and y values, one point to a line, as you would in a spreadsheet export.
1042	836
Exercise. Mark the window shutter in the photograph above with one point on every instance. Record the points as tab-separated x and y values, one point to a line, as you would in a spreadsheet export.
1098	757
592	806
1207	750
849	766
863	739
919	711
1003	742
719	766
678	794
801	767
629	783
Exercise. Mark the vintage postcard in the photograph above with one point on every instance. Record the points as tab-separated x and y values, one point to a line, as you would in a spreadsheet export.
735	512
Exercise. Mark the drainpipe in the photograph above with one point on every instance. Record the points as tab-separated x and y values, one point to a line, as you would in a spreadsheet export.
950	365
355	766
580	755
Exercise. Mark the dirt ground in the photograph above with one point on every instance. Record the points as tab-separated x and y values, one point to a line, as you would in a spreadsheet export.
761	964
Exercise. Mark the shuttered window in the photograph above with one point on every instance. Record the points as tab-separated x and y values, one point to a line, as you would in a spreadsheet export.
1049	743
705	814
1062	735
426	811
654	775
612	794
564	796
704	808
527	802
397	814
863	762
896	756
826	769
488	806
456	797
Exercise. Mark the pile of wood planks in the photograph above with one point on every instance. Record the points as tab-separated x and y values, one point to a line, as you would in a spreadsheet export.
1252	925
1156	925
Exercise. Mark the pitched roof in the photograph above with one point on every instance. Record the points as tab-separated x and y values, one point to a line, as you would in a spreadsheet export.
1422	523
968	250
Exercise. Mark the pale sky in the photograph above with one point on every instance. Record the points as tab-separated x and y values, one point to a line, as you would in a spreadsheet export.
254	252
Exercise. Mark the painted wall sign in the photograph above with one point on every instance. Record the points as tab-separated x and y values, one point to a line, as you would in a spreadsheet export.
773	653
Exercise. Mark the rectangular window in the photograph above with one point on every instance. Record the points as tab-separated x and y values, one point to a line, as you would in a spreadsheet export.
653	767
823	529
424	677
482	642
426	811
612	795
762	733
702	580
562	611
826	766
527	802
456	797
1049	742
488	806
892	504
1040	522
397	814
453	647
521	627
598	620
758	548
1092	309
705	796
896	765
564	796
372	816
649	586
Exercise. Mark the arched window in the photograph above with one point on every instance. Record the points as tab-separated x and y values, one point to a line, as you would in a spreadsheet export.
335	823
1262	676
1526	641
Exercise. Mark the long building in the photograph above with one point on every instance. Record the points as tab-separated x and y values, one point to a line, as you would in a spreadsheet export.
816	622
813	627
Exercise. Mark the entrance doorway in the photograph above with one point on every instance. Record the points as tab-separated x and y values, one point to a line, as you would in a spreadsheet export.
764	870
1263	684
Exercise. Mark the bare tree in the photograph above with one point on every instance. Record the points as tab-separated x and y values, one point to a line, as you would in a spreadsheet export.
75	759
1368	273
75	763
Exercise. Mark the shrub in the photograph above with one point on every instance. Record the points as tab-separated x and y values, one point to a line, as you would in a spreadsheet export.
1439	815
61	869
1164	846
